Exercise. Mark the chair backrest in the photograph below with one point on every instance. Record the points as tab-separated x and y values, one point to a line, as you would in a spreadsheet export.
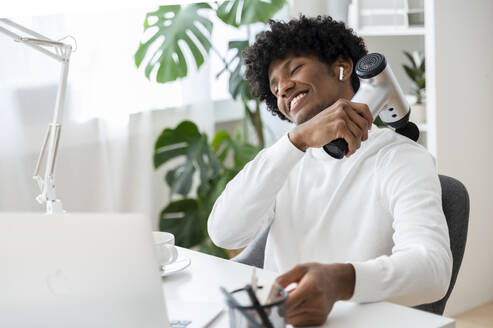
254	253
455	203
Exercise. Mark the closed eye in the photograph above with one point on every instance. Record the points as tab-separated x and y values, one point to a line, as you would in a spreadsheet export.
295	69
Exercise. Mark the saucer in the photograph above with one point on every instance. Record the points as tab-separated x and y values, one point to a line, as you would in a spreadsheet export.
181	263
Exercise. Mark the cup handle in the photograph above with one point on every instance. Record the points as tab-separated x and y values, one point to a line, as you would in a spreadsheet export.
174	254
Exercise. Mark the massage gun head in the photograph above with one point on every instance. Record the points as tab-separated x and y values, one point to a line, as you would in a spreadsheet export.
370	65
380	90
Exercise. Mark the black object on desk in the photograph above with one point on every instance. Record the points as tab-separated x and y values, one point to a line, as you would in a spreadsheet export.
270	315
260	310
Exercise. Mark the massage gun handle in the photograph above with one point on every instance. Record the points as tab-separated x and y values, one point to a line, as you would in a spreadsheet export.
337	148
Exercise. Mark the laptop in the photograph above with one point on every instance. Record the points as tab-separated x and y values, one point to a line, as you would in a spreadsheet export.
83	270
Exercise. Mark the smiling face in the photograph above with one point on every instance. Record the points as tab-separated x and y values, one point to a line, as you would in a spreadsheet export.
304	86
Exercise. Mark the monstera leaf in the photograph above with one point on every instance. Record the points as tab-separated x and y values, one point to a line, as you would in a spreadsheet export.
173	28
179	178
242	12
219	186
187	143
238	85
184	219
243	152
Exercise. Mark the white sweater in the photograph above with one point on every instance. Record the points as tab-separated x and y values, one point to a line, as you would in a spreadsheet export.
379	210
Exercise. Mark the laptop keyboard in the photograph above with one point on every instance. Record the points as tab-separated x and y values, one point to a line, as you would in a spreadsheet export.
179	323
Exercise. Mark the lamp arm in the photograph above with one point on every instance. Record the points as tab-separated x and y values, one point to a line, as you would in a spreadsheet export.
49	148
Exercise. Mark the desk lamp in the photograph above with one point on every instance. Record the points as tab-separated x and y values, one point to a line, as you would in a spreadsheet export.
60	52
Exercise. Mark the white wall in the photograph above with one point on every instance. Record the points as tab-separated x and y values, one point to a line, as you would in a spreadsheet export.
308	8
460	86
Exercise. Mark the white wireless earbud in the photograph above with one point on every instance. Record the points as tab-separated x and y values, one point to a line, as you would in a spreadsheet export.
341	73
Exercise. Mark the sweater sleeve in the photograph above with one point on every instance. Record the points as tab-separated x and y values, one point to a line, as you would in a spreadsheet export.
247	204
419	269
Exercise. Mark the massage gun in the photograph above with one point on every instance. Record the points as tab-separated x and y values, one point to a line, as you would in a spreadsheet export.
381	92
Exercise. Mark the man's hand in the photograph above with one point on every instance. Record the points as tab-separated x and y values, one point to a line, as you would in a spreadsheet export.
344	119
319	287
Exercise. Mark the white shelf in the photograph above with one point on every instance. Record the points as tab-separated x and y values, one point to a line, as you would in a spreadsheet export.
416	11
386	18
372	12
390	31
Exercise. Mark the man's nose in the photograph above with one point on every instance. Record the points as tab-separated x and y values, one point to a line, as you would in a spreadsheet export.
285	85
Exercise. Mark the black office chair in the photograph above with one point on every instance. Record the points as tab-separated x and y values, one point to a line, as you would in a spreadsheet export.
455	203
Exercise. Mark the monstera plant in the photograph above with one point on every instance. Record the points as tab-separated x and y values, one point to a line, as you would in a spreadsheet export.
215	163
178	38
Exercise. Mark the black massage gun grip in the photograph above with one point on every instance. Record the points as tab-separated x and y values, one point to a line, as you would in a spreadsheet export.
367	67
337	148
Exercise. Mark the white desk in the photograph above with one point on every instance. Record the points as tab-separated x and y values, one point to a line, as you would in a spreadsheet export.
201	280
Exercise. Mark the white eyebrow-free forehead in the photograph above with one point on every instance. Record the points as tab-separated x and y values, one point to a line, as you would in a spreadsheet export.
284	66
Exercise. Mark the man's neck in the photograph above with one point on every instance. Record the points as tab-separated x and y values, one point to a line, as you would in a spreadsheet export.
348	93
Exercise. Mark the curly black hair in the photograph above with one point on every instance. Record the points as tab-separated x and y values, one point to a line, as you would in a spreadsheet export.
321	36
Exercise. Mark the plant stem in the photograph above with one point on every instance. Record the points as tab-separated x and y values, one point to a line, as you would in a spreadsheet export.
256	121
250	117
225	68
245	128
260	131
225	62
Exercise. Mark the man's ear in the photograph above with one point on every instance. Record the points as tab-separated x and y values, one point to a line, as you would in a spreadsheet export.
343	68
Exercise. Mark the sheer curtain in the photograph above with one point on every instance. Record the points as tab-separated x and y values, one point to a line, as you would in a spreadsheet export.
112	116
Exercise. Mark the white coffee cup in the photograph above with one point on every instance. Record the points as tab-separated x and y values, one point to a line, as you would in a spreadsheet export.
164	245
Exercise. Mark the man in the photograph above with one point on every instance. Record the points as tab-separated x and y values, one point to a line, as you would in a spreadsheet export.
366	228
